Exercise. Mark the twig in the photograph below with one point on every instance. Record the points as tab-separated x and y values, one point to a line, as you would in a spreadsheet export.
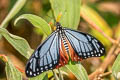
105	74
60	75
108	60
102	75
55	75
97	28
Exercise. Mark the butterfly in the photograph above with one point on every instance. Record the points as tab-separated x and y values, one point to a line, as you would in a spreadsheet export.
61	46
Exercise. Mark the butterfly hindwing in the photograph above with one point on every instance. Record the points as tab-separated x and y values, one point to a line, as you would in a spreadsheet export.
83	44
45	57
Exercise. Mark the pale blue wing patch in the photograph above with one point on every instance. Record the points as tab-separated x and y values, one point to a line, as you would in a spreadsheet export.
84	45
45	57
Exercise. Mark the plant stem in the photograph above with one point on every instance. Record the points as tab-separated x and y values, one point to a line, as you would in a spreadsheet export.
55	75
111	56
60	75
16	8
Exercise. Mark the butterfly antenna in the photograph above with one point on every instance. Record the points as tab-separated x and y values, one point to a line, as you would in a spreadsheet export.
58	17
55	20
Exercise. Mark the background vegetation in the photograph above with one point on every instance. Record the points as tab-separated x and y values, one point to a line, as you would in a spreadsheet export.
24	25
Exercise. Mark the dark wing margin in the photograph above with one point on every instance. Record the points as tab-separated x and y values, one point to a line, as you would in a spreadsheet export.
84	44
45	57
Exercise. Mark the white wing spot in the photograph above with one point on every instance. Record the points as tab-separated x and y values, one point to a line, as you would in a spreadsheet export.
38	73
50	65
84	54
41	68
88	53
37	69
46	67
98	54
27	72
30	73
101	51
91	52
34	74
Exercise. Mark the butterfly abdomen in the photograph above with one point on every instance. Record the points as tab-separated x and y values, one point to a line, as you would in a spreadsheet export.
69	50
65	44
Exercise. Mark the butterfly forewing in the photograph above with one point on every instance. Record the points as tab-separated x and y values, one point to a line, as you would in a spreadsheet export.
45	57
83	44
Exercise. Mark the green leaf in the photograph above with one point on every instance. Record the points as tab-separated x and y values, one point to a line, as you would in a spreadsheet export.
116	66
16	8
36	21
42	76
20	44
117	31
70	12
11	72
79	71
94	17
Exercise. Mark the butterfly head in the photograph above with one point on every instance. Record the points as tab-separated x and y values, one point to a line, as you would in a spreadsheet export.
58	26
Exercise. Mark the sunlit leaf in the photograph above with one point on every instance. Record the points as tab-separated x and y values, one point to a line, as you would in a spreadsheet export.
116	67
11	72
20	44
94	17
70	10
37	22
117	31
79	71
42	76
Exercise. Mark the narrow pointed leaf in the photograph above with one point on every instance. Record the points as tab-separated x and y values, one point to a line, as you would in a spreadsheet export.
16	8
116	67
20	44
94	17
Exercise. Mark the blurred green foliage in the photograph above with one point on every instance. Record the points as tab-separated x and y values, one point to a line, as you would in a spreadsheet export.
107	20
